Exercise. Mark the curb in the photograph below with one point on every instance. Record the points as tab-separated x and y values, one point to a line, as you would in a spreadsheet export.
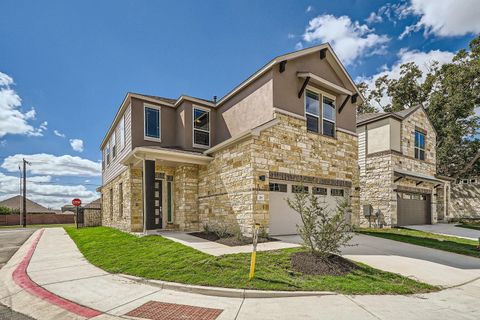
22	279
226	292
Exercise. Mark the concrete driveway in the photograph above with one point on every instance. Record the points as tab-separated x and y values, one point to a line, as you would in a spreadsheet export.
448	230
424	264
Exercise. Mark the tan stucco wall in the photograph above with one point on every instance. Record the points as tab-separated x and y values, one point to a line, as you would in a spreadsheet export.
287	85
248	109
378	136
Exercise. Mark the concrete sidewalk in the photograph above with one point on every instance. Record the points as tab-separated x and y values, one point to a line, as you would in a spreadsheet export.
218	249
58	266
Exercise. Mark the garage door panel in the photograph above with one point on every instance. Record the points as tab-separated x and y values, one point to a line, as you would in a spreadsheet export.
413	209
283	219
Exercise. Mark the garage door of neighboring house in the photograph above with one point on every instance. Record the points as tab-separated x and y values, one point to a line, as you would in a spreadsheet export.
283	219
413	209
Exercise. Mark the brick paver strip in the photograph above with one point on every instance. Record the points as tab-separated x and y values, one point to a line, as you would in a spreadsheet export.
156	310
22	279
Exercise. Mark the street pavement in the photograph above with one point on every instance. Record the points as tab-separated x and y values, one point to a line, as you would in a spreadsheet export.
449	230
10	241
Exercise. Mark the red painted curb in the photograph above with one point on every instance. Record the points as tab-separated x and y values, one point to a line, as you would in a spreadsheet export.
22	279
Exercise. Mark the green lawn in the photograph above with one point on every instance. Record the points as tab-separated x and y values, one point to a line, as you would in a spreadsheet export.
155	257
426	239
39	226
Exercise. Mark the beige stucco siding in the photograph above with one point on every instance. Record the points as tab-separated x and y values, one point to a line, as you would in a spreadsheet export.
248	109
378	136
287	85
395	135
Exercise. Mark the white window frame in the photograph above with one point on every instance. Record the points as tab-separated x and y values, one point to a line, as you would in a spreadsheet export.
107	154
319	116
121	135
145	137
321	94
113	145
201	146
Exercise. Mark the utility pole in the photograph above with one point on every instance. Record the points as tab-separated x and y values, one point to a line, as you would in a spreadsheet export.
20	211
25	162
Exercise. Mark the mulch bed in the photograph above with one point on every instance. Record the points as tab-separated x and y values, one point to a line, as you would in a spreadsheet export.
333	265
229	241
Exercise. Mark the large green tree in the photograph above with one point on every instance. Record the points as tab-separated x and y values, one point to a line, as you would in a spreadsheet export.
450	93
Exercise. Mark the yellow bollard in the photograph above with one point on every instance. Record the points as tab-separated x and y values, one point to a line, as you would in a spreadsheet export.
254	252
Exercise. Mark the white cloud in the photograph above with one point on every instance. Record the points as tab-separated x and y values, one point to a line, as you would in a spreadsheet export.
40	189
374	18
291	36
47	164
12	119
445	18
309	9
350	40
422	59
3	143
77	144
298	46
59	134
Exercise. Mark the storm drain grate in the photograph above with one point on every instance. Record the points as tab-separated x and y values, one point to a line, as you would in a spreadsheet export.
155	310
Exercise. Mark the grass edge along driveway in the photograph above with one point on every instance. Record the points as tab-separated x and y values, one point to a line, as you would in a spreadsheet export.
426	239
155	257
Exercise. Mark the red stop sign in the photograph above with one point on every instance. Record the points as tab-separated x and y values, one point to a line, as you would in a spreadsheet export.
77	202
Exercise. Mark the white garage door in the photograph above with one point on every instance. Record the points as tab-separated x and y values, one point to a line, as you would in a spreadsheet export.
283	219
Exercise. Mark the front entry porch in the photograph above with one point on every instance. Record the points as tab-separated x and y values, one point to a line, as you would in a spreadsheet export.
169	187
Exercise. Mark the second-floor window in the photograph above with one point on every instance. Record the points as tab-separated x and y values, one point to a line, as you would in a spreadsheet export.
201	128
320	118
312	111
329	113
107	153
419	145
113	145
152	122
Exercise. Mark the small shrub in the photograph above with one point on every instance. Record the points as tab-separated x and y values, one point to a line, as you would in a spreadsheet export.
323	232
221	230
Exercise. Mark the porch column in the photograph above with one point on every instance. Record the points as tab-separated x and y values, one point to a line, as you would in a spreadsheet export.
148	193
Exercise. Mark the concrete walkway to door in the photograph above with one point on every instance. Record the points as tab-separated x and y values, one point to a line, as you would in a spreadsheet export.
448	230
432	266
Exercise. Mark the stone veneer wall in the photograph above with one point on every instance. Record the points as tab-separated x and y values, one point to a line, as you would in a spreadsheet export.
186	198
230	188
132	217
465	200
377	181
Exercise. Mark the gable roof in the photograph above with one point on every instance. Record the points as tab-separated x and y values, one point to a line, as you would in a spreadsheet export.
290	56
13	203
372	117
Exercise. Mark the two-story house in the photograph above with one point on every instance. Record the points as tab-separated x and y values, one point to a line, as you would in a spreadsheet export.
397	160
181	163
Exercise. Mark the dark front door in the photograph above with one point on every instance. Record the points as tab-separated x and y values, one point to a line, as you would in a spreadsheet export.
157	205
413	209
153	197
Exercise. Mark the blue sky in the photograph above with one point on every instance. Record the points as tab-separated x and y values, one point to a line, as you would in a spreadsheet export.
73	62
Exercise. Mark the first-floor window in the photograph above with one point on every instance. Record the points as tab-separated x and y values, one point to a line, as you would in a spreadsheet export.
201	127
152	122
120	200
111	203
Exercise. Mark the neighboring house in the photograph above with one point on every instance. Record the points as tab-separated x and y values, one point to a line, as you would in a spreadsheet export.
397	160
15	204
182	163
465	198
